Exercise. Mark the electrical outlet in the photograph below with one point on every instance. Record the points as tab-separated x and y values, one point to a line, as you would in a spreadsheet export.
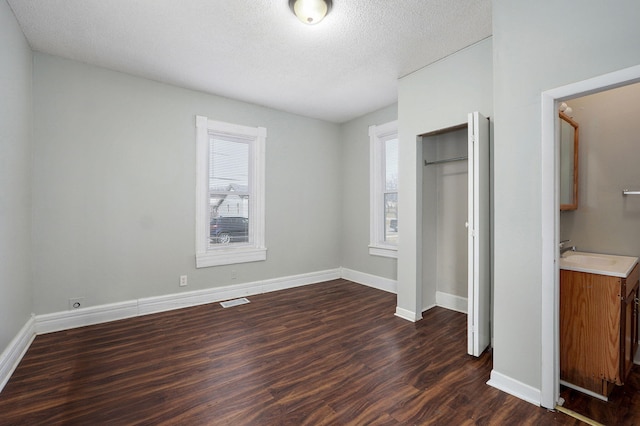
76	303
234	274
183	280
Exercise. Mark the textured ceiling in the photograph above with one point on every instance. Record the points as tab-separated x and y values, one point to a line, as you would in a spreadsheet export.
256	50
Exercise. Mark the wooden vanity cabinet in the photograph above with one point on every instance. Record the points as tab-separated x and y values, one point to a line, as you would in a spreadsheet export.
598	329
630	325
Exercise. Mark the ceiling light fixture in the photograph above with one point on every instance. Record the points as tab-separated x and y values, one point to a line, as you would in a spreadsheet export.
310	11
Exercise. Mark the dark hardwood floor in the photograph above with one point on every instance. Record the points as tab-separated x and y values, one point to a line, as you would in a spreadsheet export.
622	408
329	353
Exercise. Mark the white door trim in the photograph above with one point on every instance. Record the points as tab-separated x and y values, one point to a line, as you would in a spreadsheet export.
550	380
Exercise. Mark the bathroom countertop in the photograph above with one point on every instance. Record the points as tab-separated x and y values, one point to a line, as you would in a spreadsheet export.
596	263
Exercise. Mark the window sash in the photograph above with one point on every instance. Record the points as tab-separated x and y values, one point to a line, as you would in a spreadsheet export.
230	168
383	184
253	249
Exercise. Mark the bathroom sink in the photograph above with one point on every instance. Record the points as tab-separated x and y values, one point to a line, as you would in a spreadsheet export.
596	263
590	259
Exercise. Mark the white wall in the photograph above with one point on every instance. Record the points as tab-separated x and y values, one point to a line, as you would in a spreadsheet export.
538	46
114	188
15	182
114	162
609	150
354	190
436	97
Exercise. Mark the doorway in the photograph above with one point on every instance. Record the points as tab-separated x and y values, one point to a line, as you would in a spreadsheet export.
550	380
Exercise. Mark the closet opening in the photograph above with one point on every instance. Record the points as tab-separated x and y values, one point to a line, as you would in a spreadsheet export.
445	206
456	252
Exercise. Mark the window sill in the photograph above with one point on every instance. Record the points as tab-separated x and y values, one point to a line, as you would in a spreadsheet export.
230	256
384	251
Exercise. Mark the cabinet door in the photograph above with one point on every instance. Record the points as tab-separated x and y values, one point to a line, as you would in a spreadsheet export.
590	316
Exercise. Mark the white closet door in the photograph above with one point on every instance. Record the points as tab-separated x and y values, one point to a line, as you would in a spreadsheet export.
479	234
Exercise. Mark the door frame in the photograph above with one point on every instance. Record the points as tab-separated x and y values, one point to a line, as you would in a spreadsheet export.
550	286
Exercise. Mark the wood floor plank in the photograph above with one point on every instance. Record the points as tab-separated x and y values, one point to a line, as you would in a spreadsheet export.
622	408
332	353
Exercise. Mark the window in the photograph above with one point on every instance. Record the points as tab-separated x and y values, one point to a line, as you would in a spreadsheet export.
384	190
229	193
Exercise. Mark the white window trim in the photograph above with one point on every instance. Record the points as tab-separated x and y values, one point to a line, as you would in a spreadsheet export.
378	135
256	250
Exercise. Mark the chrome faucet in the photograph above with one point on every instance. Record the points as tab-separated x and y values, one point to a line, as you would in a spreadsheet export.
564	249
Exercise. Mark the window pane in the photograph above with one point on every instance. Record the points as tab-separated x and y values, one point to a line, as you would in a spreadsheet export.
391	165
391	218
228	165
228	191
229	219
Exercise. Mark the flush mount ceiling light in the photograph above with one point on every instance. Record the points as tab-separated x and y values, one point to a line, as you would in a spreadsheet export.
310	11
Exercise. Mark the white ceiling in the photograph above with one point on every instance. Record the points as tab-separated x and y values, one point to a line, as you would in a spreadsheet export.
256	50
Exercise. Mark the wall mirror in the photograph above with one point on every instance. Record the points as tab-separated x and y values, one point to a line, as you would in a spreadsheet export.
568	163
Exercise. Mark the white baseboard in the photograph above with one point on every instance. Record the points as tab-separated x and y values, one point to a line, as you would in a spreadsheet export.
385	284
11	356
584	391
150	305
425	309
452	302
300	280
169	302
66	320
408	315
514	387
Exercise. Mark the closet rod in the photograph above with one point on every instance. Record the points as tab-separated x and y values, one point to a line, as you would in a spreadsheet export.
628	192
448	160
